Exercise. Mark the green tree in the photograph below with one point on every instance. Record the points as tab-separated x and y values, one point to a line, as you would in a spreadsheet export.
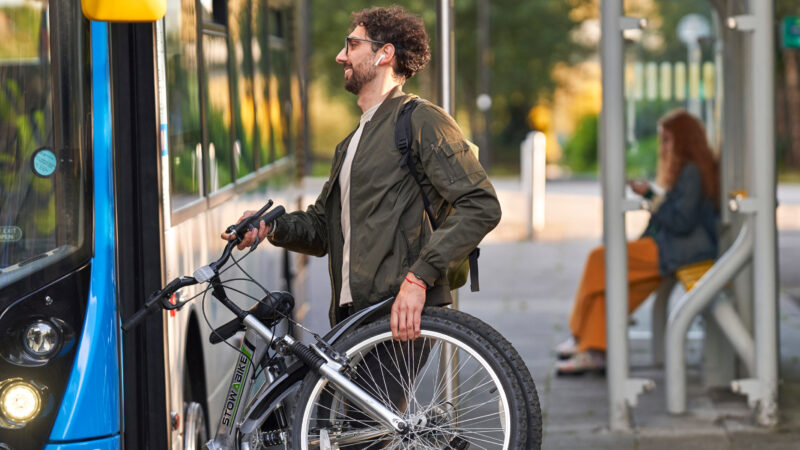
527	39
580	152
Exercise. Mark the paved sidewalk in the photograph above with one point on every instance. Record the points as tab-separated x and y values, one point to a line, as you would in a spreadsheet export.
527	290
527	295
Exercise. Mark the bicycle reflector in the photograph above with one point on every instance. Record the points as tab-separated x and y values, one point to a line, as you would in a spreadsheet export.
20	402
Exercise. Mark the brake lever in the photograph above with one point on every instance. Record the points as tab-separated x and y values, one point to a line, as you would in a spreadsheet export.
255	244
169	306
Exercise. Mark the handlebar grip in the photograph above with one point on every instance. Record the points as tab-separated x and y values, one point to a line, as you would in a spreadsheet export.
274	214
243	226
138	317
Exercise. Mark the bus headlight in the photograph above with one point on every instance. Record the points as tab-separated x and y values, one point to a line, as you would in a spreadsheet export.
41	339
20	402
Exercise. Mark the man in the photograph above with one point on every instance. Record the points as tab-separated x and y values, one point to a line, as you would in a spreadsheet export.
370	216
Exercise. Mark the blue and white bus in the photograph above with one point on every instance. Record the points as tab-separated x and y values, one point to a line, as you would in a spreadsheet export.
124	149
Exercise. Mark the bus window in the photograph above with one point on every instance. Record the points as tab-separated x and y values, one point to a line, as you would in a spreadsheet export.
41	208
279	88
214	11
241	34
218	110
183	104
260	77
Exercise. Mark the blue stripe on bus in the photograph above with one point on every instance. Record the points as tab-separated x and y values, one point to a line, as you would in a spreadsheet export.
164	140
111	443
91	404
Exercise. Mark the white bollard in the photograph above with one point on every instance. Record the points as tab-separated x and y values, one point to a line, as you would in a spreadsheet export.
533	164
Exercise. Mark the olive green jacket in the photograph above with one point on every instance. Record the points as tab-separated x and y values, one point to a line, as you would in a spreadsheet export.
390	232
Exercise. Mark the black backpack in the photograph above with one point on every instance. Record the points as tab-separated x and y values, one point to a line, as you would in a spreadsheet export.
456	277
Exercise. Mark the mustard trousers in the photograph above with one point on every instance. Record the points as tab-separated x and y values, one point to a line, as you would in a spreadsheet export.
588	319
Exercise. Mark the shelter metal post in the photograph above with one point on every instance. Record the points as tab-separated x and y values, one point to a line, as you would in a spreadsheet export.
445	32
622	391
762	391
764	255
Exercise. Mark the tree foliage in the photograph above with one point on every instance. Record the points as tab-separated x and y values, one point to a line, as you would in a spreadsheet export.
527	39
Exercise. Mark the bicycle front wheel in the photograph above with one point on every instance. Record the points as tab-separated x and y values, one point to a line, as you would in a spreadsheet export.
452	385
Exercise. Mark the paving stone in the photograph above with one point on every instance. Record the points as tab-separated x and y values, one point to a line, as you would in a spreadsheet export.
595	440
762	441
676	440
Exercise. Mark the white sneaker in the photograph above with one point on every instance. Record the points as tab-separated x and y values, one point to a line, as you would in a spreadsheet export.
567	349
583	362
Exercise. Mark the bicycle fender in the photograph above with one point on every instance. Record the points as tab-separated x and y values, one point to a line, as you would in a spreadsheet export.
356	320
266	402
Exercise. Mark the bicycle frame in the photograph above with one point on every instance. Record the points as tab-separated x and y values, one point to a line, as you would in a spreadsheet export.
247	419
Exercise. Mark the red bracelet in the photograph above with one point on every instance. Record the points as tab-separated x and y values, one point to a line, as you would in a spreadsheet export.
414	282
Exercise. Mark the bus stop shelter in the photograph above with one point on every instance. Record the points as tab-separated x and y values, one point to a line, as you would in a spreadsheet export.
744	33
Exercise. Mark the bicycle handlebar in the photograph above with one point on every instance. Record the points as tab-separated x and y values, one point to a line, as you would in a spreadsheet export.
244	226
159	299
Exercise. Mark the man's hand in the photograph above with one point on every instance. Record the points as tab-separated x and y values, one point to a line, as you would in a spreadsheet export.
407	309
251	236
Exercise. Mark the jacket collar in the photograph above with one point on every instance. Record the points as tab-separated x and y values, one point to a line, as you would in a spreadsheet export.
393	100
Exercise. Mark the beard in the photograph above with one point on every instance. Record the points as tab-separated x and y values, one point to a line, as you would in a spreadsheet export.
358	78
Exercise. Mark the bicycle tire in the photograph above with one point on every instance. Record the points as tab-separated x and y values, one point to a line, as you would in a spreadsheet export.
524	378
487	381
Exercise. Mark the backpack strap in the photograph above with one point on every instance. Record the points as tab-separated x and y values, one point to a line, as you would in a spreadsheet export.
402	140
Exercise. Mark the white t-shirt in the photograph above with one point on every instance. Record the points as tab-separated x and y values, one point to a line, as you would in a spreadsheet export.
346	297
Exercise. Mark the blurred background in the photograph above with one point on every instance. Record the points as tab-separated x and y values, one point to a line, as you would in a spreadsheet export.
523	66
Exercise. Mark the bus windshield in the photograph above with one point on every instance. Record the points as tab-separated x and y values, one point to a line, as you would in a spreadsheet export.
41	209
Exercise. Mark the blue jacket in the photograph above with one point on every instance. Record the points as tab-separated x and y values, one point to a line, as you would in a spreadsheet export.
685	225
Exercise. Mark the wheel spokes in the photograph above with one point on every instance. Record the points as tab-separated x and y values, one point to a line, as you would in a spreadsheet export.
407	377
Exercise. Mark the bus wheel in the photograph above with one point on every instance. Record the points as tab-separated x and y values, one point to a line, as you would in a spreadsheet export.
194	431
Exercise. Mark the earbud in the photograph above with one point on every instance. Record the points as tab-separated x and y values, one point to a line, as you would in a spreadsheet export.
380	58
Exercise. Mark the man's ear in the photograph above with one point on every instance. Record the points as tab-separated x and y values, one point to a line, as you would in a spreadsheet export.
389	51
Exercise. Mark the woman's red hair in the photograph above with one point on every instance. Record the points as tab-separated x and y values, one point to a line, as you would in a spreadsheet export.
689	145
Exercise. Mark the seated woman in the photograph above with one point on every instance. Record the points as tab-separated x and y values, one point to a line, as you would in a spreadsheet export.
681	231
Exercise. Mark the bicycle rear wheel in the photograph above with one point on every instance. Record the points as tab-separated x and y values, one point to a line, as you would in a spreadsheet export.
452	385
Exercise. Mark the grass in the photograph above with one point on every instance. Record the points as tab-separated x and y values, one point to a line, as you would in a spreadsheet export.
789	176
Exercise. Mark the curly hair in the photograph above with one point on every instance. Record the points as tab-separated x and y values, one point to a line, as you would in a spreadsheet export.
403	30
689	145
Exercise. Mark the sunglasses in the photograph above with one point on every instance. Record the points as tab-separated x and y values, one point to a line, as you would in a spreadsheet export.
349	39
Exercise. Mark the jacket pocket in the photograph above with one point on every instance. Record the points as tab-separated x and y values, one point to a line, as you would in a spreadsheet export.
456	160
